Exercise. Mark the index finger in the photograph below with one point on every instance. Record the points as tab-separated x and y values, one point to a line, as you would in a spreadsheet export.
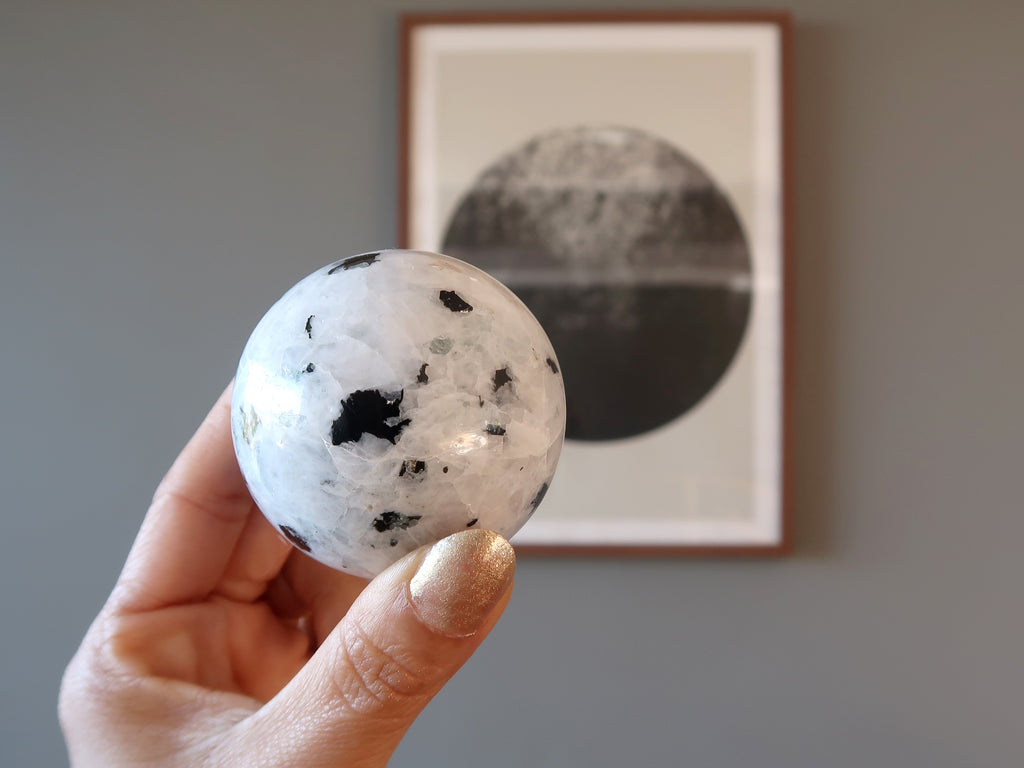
196	518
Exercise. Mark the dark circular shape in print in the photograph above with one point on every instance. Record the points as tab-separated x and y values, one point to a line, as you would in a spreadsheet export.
631	258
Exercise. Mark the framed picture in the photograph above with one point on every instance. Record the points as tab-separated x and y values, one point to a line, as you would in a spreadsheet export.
626	176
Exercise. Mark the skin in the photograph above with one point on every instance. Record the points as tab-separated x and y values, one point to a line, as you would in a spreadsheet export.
222	645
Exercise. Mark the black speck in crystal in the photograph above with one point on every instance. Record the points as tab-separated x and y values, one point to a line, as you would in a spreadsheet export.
310	368
421	377
472	522
393	542
367	411
309	326
552	366
445	470
362	260
538	498
391	521
494	429
412	466
454	302
293	536
501	378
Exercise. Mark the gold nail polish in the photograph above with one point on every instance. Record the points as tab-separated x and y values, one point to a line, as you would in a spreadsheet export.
460	580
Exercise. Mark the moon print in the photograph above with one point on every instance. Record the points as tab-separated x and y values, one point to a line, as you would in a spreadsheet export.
631	257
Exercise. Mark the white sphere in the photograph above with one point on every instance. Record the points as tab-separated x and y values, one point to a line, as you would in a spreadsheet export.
394	398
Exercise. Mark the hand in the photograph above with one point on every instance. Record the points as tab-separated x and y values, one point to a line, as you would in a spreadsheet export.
221	645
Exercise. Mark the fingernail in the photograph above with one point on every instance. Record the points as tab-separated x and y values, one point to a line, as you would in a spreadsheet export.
460	580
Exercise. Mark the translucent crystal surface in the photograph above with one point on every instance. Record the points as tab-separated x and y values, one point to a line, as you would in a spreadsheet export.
391	399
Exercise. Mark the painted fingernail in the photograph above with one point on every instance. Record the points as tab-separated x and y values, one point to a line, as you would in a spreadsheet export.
460	580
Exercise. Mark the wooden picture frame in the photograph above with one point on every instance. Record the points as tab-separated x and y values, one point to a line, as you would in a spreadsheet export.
627	175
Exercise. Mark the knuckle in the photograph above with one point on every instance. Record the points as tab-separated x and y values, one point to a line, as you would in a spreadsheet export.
371	676
224	505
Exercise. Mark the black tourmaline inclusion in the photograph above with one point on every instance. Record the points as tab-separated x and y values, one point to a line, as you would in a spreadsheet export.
391	521
413	466
501	378
293	536
538	498
454	302
367	411
362	260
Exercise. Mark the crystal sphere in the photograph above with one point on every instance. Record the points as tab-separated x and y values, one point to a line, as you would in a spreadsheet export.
391	399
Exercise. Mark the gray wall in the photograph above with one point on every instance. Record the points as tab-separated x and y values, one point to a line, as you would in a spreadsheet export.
168	168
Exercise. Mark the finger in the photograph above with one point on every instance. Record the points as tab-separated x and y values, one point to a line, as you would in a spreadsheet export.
312	596
257	559
327	594
405	636
197	516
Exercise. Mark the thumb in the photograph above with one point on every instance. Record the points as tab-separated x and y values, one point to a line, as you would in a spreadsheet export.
403	638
